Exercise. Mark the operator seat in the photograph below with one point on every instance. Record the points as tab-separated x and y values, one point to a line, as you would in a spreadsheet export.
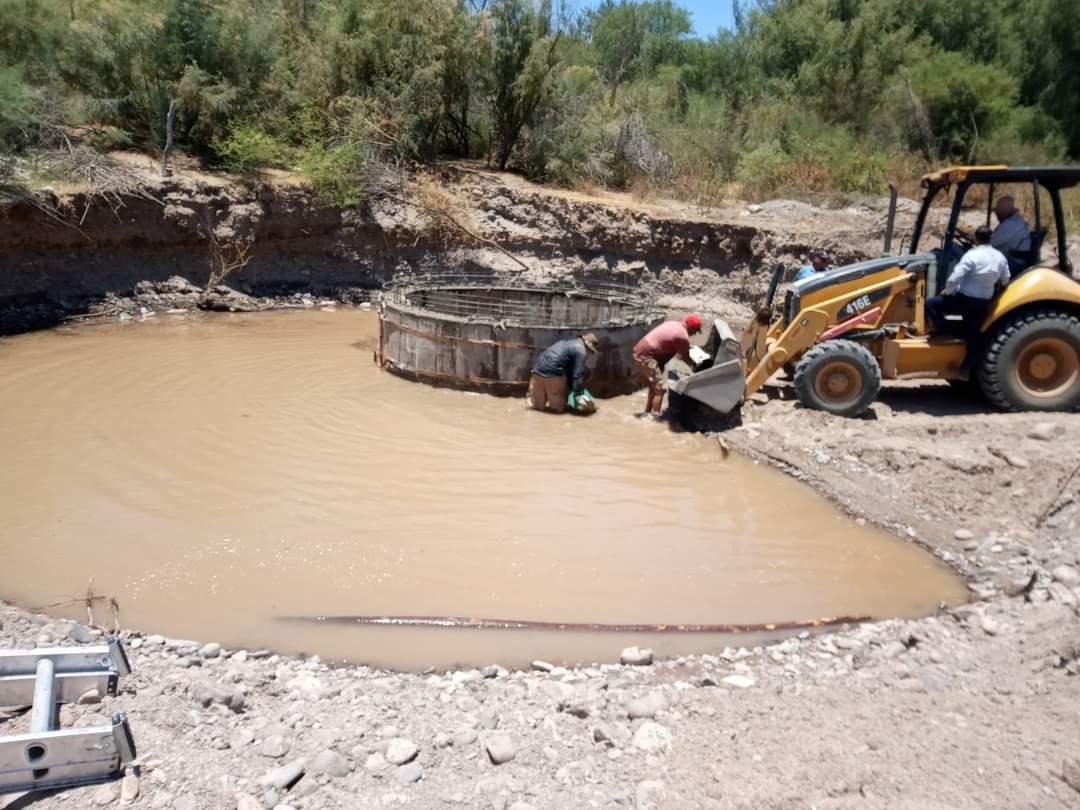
1021	260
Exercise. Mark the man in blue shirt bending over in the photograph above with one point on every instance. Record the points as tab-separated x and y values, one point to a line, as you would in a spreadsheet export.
971	286
560	369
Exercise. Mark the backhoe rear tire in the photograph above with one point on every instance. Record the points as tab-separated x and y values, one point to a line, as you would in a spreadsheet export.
1032	362
838	376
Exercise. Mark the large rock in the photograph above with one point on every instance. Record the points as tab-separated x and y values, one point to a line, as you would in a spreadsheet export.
103	796
207	694
637	656
738	681
286	776
464	736
211	650
331	763
129	788
241	738
649	795
310	686
81	634
376	762
1070	773
275	746
224	299
1045	431
409	773
399	751
647	706
652	738
1066	575
611	736
500	748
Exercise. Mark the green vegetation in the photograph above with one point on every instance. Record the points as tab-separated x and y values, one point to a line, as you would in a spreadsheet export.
803	95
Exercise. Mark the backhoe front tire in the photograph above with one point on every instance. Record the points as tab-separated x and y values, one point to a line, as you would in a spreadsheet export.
838	376
1032	362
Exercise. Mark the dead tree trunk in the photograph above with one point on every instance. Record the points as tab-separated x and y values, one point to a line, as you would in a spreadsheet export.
166	153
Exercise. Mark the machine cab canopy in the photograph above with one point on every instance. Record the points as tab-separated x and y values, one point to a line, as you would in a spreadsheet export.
1051	179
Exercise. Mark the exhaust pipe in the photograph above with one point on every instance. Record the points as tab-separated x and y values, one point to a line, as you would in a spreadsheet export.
890	220
774	284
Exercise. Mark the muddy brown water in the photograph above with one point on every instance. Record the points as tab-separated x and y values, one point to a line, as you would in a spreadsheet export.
214	473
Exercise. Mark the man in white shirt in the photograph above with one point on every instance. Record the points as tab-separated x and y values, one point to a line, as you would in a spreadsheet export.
968	292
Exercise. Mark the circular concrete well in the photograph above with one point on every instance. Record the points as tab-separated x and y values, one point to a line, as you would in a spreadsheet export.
484	334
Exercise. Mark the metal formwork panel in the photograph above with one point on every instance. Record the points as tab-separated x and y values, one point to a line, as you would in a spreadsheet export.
486	337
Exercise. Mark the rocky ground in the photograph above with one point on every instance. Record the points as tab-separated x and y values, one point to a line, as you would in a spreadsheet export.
975	707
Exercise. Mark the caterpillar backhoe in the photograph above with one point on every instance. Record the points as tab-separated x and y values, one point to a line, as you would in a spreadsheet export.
840	332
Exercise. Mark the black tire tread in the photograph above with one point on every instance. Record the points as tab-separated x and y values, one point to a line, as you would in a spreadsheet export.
831	348
990	371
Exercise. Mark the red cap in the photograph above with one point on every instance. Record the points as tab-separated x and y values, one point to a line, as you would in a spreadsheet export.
692	323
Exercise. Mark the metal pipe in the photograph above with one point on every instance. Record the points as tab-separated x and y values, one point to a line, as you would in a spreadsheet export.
43	716
469	623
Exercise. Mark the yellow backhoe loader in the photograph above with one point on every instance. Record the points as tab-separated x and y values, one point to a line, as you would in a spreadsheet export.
842	331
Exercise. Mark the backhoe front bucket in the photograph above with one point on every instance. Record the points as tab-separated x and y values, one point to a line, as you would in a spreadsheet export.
720	386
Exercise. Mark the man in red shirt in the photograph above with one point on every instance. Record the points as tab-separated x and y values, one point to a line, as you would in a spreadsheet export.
652	353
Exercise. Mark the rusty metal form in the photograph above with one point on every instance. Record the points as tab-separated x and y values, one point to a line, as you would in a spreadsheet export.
483	333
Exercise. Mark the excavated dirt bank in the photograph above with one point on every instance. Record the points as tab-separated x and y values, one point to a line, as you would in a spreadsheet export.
975	707
78	254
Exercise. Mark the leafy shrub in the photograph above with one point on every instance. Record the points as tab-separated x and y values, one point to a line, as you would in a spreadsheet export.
761	170
568	144
14	106
248	149
336	172
107	138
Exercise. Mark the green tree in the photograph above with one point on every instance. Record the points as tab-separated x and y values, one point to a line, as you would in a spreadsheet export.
1060	68
630	39
525	55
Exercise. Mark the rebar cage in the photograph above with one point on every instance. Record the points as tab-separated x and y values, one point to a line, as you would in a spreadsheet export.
523	301
483	332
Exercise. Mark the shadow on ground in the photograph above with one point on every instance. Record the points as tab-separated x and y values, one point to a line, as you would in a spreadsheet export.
935	399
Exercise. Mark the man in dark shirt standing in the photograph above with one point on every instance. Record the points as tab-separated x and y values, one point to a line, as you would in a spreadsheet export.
559	369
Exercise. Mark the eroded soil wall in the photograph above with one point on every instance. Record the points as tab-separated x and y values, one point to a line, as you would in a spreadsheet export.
62	254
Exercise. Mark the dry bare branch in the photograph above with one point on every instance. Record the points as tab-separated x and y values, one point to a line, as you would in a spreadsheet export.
229	240
441	206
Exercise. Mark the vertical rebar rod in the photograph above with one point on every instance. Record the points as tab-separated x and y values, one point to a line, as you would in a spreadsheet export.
44	712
